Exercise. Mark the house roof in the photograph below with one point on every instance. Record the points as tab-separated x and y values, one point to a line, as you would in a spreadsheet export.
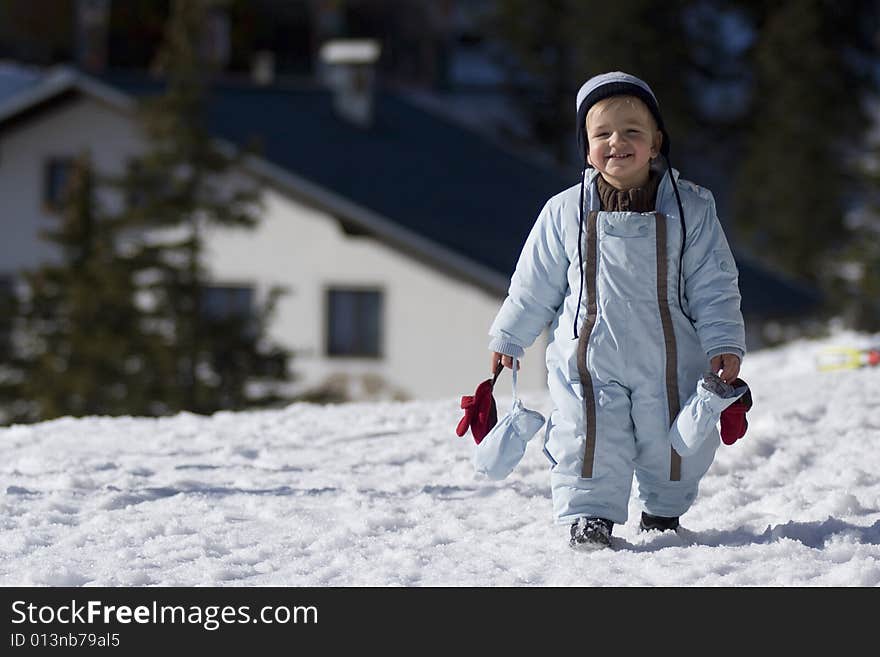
14	79
420	177
432	188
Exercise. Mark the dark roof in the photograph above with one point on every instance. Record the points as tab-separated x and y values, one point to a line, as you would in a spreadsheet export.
441	181
767	294
422	173
14	79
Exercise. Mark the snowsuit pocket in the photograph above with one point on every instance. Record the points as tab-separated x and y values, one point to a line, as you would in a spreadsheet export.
725	263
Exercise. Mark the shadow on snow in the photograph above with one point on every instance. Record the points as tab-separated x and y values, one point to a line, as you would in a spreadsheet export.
811	534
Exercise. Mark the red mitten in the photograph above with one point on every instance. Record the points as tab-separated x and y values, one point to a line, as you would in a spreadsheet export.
733	418
467	403
485	412
480	413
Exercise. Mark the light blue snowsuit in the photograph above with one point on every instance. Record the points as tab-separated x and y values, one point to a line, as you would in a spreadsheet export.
617	387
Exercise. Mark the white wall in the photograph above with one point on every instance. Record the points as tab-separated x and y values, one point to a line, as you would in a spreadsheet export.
61	132
434	327
435	336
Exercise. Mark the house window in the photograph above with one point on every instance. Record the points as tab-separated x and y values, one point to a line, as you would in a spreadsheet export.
56	179
227	302
354	322
230	308
135	197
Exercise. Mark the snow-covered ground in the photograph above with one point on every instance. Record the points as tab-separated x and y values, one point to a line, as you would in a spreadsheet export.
384	494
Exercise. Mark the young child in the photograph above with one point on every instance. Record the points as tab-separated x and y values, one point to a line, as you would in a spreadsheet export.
633	273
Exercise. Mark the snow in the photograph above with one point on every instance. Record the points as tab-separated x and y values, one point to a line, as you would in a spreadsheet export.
384	494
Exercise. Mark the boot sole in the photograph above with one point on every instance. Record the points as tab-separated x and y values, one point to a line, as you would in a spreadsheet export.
644	530
592	544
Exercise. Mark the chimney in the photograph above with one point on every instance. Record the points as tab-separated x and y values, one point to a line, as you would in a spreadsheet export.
263	67
92	20
216	43
349	69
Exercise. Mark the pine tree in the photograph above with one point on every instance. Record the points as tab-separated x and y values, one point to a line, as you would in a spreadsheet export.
806	122
83	351
11	364
182	185
541	41
559	44
855	280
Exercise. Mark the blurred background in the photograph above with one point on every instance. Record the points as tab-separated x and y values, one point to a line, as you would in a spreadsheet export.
230	204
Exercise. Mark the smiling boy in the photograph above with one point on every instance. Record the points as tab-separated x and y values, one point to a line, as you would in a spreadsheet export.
633	273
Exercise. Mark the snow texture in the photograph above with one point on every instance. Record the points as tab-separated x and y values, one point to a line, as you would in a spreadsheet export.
384	494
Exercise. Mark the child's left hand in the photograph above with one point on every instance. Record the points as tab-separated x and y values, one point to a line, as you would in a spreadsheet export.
728	364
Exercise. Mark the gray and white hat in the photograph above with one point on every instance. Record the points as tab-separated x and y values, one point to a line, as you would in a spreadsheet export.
616	83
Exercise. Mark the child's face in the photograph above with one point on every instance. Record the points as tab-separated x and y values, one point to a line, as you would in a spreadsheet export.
623	138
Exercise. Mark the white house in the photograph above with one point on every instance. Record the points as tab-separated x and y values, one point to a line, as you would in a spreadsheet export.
394	230
373	302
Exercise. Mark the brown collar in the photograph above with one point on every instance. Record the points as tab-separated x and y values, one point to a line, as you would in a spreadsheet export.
639	199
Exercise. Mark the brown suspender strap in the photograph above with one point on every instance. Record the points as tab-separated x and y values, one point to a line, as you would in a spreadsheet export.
586	329
668	339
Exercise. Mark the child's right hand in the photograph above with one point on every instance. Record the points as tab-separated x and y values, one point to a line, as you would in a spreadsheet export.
504	359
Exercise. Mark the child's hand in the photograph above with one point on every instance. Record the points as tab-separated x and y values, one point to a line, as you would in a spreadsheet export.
728	364
504	359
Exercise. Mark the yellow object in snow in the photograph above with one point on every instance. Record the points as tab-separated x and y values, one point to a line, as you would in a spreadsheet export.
846	358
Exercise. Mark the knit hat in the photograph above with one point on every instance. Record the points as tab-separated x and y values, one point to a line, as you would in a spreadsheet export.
615	83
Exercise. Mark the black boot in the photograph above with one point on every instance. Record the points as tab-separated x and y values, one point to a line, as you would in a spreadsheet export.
649	522
590	533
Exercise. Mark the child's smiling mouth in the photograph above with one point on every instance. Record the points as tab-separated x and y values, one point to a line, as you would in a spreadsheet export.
619	157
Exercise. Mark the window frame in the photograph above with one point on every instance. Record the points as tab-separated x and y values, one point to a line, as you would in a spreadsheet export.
380	292
248	316
50	203
216	286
